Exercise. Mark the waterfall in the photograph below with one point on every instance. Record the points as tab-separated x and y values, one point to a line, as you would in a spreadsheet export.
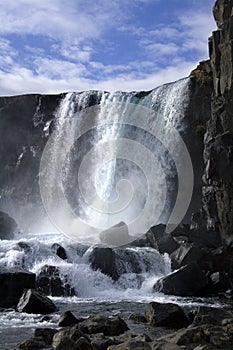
117	158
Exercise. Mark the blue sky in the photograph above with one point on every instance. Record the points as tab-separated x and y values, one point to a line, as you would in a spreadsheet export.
56	46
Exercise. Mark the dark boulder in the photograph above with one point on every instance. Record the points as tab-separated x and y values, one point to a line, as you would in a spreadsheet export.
59	251
160	240
49	282
33	302
165	315
67	319
8	226
104	259
205	238
211	315
13	282
64	338
46	334
189	280
186	254
117	235
101	324
33	344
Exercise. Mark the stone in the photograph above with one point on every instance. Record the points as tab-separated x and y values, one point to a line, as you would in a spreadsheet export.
49	282
8	226
160	240
33	344
101	324
185	254
67	337
59	251
67	319
132	344
165	315
137	318
117	235
186	336
33	302
189	280
104	259
165	346
64	343
13	282
211	315
46	334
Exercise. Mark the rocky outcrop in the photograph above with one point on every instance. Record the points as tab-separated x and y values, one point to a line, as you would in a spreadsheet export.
13	282
7	226
218	152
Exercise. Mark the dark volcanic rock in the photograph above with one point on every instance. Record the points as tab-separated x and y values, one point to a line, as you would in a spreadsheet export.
166	315
59	251
189	280
67	318
101	324
13	282
160	240
104	259
7	226
49	282
33	302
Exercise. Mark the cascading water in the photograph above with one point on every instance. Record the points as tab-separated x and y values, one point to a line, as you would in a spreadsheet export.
118	159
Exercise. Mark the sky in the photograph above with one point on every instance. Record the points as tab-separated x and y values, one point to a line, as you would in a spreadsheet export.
53	46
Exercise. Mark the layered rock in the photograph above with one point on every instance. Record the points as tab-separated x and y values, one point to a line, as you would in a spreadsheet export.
218	152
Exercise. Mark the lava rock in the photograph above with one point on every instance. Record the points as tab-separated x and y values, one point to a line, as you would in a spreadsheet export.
101	324
59	251
165	315
104	259
117	235
67	319
13	282
189	280
49	282
160	240
8	226
33	302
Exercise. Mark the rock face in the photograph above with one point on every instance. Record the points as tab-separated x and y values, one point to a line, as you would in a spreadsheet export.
218	152
7	226
13	282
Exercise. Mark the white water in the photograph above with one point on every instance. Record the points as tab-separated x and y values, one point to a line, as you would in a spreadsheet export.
111	162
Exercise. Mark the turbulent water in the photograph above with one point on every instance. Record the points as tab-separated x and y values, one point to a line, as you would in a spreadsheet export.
118	158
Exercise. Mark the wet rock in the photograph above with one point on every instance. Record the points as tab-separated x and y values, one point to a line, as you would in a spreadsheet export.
117	235
205	238
59	251
160	240
101	324
24	246
49	282
186	336
210	315
67	319
81	249
164	346
186	254
13	282
8	226
217	337
61	338
33	344
137	343
104	259
189	280
64	343
137	318
33	302
165	315
46	334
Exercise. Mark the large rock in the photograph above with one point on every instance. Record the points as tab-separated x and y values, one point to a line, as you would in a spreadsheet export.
165	315
50	282
189	280
33	302
101	324
59	251
104	259
186	254
160	240
13	282
117	235
8	226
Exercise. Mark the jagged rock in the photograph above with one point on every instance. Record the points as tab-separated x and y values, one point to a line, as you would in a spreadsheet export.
160	240
33	344
46	334
189	280
117	235
49	282
104	259
13	282
185	254
33	302
68	319
165	315
8	226
101	324
210	315
59	251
